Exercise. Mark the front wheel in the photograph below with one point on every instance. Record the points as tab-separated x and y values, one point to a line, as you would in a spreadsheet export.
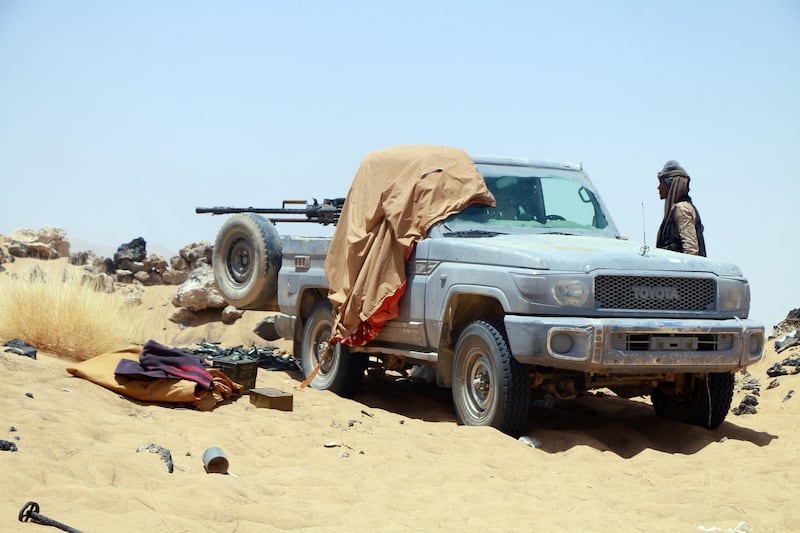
706	403
341	372
490	387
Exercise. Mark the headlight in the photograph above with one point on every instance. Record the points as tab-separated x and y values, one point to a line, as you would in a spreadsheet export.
571	292
734	295
554	290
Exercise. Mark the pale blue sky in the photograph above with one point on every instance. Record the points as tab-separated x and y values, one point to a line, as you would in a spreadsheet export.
118	118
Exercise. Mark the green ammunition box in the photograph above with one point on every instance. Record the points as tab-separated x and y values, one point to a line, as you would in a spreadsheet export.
272	399
241	371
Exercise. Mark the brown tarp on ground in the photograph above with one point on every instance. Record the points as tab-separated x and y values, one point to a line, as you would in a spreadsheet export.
397	195
100	370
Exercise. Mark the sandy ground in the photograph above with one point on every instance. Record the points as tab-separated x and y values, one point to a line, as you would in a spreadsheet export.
392	459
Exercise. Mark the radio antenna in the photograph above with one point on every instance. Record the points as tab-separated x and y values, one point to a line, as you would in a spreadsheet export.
644	249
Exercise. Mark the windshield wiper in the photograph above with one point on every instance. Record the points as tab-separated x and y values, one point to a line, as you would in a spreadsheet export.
474	233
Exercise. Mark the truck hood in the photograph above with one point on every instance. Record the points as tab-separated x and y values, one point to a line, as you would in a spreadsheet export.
570	253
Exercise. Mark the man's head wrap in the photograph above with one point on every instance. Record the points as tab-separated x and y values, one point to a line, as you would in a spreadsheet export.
672	169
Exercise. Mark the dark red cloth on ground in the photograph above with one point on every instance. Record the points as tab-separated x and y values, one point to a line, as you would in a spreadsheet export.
157	361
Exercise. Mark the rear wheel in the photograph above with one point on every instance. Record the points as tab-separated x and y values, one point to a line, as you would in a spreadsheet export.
705	403
490	388
341	372
246	260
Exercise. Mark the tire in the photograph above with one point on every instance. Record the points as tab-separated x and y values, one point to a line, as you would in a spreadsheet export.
490	387
246	260
342	371
707	405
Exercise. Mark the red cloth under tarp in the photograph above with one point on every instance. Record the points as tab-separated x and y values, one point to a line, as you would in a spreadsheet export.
397	195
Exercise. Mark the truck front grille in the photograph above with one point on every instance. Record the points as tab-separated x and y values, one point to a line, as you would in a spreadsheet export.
655	293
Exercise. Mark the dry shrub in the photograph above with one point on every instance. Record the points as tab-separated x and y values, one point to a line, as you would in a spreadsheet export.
67	317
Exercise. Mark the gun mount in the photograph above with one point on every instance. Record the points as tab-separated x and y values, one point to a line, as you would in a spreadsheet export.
323	213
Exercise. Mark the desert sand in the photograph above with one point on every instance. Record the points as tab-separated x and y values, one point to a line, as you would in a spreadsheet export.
391	459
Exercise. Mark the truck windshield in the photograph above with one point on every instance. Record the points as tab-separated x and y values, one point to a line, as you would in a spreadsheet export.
538	199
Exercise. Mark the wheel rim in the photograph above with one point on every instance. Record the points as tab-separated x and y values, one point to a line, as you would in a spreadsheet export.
478	390
240	260
320	338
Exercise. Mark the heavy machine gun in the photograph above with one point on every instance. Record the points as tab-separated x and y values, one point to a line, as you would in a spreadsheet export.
324	213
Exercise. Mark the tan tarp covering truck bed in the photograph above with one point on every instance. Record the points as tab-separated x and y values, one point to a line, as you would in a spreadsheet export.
396	196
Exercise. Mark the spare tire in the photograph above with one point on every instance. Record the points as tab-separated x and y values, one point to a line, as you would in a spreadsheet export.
246	260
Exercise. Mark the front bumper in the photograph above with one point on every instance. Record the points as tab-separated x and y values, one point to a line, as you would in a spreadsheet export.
634	346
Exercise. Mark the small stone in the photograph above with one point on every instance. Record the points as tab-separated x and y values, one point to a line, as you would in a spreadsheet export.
777	370
7	446
533	442
750	400
29	394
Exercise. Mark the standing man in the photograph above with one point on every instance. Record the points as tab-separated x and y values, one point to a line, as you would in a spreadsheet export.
681	229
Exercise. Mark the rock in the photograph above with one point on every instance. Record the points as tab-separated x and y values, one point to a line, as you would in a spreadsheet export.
154	266
746	406
198	292
136	250
177	262
133	299
174	277
180	266
7	446
183	316
533	442
124	276
787	341
749	399
104	264
45	243
230	314
196	254
100	282
751	384
5	255
266	329
144	278
20	347
82	258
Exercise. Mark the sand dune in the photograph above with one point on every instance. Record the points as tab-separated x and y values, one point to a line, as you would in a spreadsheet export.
391	459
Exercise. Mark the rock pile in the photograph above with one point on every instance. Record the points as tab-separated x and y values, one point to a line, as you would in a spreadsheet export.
131	269
789	366
45	243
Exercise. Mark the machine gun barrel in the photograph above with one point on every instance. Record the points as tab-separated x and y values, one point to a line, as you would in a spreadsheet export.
325	213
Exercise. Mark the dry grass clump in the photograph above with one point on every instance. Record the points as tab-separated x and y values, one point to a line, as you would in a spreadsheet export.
67	316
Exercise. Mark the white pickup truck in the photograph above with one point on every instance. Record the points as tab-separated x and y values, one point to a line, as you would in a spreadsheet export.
538	296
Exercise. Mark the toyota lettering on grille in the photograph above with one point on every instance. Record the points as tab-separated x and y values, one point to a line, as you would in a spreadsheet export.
655	293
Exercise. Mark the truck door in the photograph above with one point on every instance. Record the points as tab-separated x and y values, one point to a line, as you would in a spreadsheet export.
409	328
